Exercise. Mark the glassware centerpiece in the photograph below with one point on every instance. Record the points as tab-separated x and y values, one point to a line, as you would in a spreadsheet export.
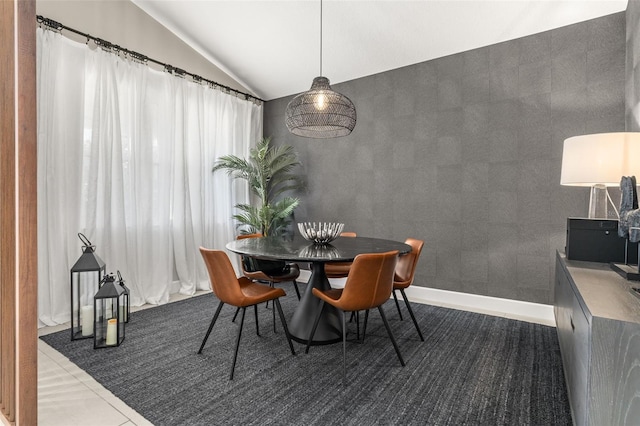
320	232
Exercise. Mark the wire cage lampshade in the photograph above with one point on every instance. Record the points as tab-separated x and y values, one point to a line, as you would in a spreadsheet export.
320	112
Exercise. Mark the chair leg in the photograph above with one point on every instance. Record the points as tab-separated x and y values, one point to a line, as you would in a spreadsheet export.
273	313
295	286
284	325
213	321
357	324
395	298
364	327
315	325
386	324
274	319
266	305
235	315
255	311
413	317
235	354
344	348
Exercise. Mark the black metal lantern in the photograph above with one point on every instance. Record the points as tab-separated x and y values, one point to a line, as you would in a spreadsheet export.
108	311
86	275
126	308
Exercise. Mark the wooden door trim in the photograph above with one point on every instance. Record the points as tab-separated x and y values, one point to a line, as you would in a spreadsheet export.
18	213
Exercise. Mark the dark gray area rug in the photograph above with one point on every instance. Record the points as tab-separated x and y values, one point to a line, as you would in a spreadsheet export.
472	369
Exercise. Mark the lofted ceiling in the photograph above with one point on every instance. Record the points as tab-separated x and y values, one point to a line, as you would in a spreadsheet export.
272	47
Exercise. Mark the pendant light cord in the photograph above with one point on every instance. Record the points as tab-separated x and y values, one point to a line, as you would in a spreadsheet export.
320	38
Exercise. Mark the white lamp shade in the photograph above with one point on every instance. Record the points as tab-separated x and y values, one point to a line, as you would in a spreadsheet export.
600	159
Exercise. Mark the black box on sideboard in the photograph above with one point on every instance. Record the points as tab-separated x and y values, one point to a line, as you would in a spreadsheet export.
597	240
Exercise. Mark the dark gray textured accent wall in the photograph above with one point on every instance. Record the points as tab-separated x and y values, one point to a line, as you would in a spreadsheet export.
465	151
632	90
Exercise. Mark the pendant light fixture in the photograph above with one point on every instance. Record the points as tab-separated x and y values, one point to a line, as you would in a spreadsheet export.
320	112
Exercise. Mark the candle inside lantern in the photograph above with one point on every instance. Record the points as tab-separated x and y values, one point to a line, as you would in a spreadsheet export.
86	319
109	309
112	330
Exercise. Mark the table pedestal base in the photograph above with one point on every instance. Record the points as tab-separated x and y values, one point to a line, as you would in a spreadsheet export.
330	326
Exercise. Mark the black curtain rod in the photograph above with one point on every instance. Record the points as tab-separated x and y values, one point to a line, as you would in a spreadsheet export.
57	26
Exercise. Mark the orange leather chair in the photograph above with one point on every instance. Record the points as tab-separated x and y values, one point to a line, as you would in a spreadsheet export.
368	286
240	292
290	272
405	272
282	273
403	278
339	269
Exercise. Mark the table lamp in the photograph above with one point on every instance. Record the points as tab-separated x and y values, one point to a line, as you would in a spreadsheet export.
599	161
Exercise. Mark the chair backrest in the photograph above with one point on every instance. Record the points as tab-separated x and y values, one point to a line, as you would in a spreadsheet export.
251	265
223	278
348	234
243	236
406	267
370	281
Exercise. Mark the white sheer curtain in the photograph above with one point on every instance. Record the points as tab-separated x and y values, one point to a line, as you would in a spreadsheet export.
125	156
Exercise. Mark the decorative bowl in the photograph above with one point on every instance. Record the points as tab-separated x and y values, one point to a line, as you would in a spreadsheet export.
320	232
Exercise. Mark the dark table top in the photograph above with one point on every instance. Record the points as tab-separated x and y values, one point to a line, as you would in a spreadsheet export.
297	249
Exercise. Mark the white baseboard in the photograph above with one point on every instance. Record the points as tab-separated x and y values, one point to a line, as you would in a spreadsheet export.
508	308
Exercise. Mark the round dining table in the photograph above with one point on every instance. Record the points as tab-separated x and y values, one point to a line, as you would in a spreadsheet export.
297	249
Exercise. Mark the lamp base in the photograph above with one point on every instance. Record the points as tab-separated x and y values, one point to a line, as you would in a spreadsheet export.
599	203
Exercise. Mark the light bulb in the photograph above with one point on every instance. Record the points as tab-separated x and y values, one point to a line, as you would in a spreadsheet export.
320	102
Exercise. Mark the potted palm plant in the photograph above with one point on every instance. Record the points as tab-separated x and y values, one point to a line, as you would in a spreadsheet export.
269	174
